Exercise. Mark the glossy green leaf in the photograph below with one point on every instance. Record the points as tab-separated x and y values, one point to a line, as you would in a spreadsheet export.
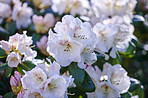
35	37
3	66
11	27
77	73
2	53
28	64
87	85
4	32
126	95
8	71
136	88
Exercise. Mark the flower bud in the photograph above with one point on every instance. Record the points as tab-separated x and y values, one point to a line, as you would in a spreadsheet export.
17	76
13	81
20	94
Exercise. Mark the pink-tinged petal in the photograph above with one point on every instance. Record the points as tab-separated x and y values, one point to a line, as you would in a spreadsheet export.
17	76
13	81
20	94
38	19
6	45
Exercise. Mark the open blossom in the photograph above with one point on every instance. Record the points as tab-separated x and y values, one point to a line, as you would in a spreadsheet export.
63	48
6	45
13	59
42	25
6	1
17	47
55	87
122	39
50	70
22	14
5	8
74	37
37	78
105	36
42	45
116	7
45	80
112	82
70	6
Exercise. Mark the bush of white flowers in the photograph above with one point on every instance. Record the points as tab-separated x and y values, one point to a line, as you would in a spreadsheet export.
67	49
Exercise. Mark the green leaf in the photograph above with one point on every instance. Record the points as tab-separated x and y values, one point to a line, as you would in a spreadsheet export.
28	64
77	73
87	85
4	32
136	88
8	71
9	95
126	95
2	53
20	70
3	66
11	27
35	37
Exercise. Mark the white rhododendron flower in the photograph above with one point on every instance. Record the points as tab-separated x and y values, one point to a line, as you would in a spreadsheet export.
31	94
110	83
6	45
105	36
13	59
37	78
87	56
70	6
63	48
20	46
71	39
122	39
15	40
50	70
55	87
5	8
45	80
5	1
22	15
24	46
116	7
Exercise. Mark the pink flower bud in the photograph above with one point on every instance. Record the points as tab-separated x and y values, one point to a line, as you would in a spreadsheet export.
42	43
38	19
49	20
17	76
20	94
6	45
13	81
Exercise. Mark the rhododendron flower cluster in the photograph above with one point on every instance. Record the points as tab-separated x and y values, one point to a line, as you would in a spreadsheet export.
17	48
74	40
110	83
45	81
